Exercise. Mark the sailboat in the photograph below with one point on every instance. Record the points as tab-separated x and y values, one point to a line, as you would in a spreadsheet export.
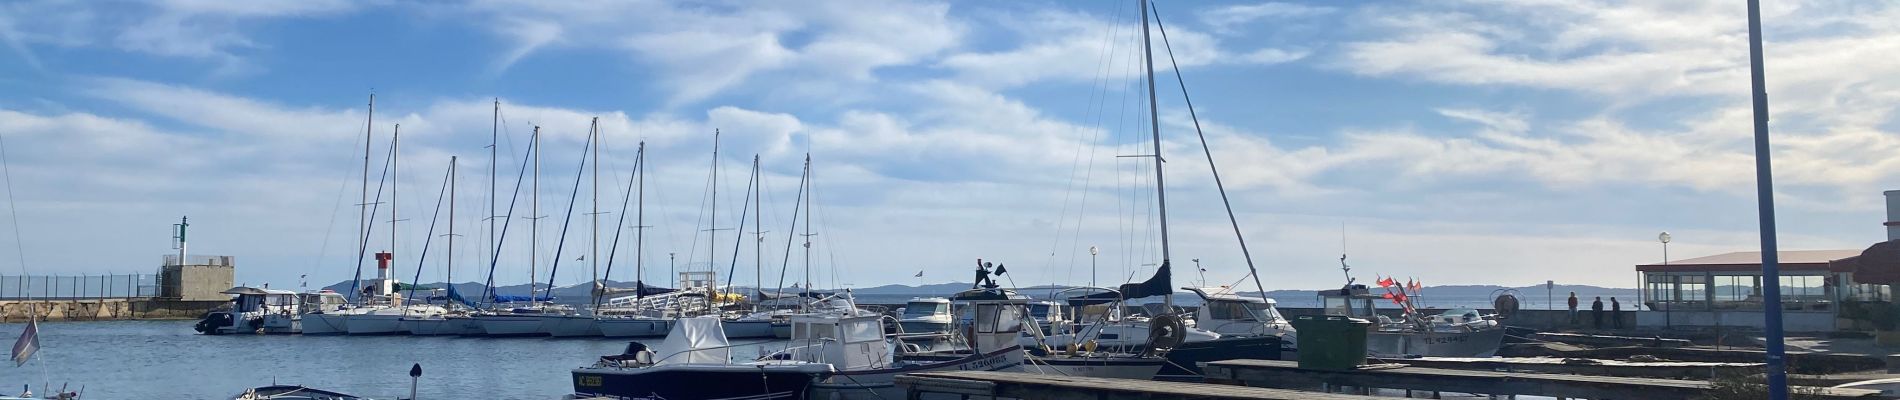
382	301
519	315
543	318
334	320
427	323
634	315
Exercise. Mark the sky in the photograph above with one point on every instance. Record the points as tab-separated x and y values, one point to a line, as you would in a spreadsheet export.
1458	142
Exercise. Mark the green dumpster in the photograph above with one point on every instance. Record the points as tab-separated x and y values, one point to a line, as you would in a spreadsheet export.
1331	342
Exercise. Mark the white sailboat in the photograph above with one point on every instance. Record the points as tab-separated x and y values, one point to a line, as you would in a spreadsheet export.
382	301
633	315
334	320
516	315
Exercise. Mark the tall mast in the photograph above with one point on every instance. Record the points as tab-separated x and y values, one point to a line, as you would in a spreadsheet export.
534	214
758	243
395	177
808	234
1154	122
362	208
639	223
494	157
712	234
449	277
593	248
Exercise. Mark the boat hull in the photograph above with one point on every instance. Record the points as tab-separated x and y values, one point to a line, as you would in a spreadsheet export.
635	327
782	330
571	326
1143	368
375	324
430	326
699	381
880	384
511	325
750	329
1482	343
1184	360
325	324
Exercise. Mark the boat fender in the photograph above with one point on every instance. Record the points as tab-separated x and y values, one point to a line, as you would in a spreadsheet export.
1166	331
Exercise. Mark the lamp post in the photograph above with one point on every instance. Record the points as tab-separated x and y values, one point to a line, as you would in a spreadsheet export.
1668	309
1092	252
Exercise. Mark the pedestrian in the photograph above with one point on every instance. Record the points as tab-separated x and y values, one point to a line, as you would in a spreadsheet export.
1573	308
1596	313
1616	313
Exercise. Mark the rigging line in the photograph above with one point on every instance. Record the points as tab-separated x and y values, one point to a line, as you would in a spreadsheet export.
343	186
1099	108
739	229
1231	219
362	248
19	242
488	290
561	242
430	236
804	178
621	226
1075	163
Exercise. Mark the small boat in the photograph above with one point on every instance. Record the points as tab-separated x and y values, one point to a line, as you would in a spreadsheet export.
291	392
1453	333
695	354
255	310
926	314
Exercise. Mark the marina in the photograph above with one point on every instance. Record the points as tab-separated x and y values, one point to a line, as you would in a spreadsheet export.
724	216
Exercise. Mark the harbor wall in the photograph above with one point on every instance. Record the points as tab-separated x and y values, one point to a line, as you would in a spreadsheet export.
103	309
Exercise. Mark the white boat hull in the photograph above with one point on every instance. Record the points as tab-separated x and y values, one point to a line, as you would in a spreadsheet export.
571	326
750	329
325	324
782	331
635	327
1483	343
430	326
511	325
375	324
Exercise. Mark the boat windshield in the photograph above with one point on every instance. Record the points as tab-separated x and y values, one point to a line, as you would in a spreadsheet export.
925	309
1242	311
1040	311
1263	312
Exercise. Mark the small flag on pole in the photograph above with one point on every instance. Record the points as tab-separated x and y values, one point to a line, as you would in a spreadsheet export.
920	273
28	344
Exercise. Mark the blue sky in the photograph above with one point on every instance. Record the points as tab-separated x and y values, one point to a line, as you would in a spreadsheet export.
1461	142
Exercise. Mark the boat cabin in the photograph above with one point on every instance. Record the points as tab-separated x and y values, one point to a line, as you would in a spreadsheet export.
267	301
851	343
1230	314
926	307
326	300
1351	301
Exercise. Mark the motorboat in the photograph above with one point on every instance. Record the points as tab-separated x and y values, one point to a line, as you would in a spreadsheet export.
292	392
325	313
689	364
1452	333
255	310
926	314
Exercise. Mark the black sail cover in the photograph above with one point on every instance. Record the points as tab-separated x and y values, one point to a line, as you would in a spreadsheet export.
1158	285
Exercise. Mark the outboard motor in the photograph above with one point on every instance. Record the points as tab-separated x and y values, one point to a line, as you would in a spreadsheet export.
212	321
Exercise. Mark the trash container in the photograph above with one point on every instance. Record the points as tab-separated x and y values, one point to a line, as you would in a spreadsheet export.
1331	342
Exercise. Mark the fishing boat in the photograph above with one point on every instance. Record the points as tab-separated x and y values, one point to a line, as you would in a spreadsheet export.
1453	333
689	364
291	392
255	310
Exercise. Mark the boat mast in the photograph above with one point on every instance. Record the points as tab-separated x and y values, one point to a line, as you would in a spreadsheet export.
395	177
494	157
640	226
362	208
534	215
758	231
712	233
1154	123
593	247
808	234
449	277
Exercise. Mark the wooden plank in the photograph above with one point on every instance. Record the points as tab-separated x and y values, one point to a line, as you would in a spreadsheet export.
1555	365
1056	387
1287	374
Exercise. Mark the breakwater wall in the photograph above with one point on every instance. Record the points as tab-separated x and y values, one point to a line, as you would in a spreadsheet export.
102	309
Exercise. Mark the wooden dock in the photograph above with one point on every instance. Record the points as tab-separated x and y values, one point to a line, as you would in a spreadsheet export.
1017	385
1584	366
1288	375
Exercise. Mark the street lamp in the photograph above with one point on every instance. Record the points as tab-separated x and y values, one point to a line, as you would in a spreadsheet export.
1092	252
1668	308
1664	238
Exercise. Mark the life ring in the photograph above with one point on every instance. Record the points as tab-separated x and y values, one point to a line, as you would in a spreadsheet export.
1166	331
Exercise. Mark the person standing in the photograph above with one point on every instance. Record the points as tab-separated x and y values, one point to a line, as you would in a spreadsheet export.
1596	313
1616	313
1573	308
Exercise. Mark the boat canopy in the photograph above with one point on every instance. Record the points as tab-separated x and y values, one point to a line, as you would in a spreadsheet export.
698	340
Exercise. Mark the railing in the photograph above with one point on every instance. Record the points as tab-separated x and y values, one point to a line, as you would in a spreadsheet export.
226	261
21	287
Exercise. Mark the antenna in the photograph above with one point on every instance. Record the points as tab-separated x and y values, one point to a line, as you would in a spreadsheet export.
1343	268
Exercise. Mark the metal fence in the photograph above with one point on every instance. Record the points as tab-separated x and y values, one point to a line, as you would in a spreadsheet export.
17	287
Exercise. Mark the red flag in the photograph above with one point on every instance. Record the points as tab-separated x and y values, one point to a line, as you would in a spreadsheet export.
1414	285
1387	282
1388	295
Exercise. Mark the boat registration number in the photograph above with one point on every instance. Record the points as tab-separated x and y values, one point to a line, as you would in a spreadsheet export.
587	380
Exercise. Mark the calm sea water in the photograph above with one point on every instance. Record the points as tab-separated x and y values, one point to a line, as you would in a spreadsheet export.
167	360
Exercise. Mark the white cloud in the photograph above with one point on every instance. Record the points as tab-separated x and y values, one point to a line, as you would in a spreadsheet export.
1224	19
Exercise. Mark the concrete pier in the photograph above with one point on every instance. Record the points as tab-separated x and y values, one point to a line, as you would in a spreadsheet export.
103	309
